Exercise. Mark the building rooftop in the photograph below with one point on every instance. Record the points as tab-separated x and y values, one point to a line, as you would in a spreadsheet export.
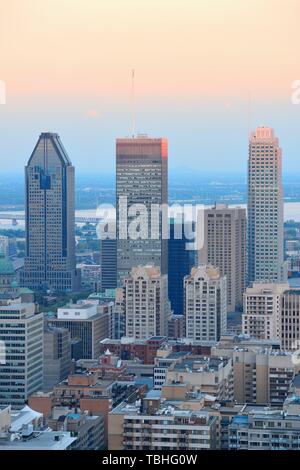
205	272
240	420
25	290
292	292
261	288
4	407
246	338
129	340
40	440
53	316
176	355
153	395
6	266
201	364
293	399
78	306
106	294
74	416
169	409
23	417
54	138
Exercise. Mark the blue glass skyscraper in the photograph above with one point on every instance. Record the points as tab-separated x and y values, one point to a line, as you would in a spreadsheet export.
180	262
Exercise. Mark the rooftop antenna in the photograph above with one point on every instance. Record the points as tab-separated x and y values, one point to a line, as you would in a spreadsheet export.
132	105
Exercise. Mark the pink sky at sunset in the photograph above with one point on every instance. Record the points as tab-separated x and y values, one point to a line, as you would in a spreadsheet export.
67	67
181	47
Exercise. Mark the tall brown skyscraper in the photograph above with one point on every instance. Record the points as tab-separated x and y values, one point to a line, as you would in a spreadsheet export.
225	247
142	179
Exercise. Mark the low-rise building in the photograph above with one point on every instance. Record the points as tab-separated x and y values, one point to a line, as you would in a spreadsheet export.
86	391
57	356
166	358
108	366
262	304
24	430
262	373
160	425
90	275
84	322
211	375
266	430
176	326
88	430
131	348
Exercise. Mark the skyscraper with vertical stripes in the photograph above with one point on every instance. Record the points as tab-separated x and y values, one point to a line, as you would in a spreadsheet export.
50	217
265	208
142	182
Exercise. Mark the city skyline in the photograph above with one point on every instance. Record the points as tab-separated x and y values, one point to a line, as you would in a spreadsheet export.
150	273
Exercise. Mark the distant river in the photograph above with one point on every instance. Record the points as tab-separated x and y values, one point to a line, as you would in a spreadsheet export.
291	212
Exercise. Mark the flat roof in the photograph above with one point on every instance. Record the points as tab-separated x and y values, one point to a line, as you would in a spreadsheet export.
240	419
45	440
77	306
207	362
168	408
51	316
178	354
153	395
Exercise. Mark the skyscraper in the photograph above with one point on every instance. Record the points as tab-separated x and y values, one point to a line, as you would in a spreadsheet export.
265	208
225	247
146	302
86	325
108	259
50	238
21	334
142	182
205	304
180	262
262	307
57	356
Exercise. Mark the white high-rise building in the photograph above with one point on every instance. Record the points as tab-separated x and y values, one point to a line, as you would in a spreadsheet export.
265	208
146	302
225	247
262	306
205	304
21	365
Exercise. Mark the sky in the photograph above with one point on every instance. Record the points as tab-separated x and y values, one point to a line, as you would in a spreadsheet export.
206	71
